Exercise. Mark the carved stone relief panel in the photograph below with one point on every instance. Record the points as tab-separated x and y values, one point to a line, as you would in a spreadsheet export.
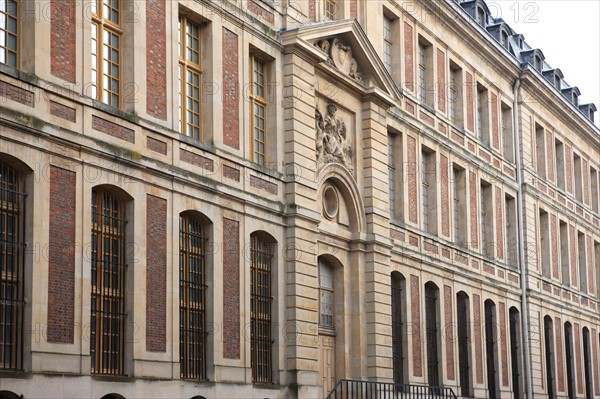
333	138
340	56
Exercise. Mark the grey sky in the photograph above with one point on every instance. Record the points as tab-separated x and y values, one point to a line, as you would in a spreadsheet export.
567	32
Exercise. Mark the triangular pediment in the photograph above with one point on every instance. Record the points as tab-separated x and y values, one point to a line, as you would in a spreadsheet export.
344	46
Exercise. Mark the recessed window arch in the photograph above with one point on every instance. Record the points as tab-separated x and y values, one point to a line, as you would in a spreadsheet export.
108	313
463	321
515	351
432	330
194	230
262	252
12	263
399	355
549	357
491	348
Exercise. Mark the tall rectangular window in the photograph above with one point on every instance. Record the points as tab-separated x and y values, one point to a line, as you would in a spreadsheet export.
107	326
12	233
326	303
564	253
329	9
428	191
106	51
261	299
578	177
559	150
512	239
395	179
387	43
425	55
487	219
507	132
594	189
459	205
190	78
544	256
192	293
540	150
259	111
483	130
9	32
597	262
456	95
582	262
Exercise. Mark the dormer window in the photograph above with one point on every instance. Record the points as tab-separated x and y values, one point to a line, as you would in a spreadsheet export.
537	63
575	99
557	81
481	16
504	38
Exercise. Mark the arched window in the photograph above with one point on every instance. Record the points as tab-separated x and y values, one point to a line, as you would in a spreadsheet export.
432	323
12	233
260	307
107	326
192	293
570	361
491	348
464	343
515	351
398	327
326	296
549	351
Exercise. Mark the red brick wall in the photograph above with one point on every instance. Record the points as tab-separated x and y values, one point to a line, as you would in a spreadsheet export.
444	182
62	111
353	9
197	160
568	169
231	110
409	76
156	274
550	156
495	136
113	129
312	10
411	151
499	223
263	184
156	59
448	335
17	94
62	39
469	98
231	289
156	145
415	299
554	245
590	265
503	342
578	361
473	209
61	256
573	255
586	182
558	352
441	78
477	339
263	14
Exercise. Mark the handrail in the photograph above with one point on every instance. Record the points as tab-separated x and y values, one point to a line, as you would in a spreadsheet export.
357	389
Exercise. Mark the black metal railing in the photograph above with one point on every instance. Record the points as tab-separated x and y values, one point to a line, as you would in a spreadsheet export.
355	389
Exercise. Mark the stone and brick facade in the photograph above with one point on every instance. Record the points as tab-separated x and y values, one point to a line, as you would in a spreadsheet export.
345	141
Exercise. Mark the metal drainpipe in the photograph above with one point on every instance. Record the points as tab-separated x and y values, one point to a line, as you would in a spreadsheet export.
524	303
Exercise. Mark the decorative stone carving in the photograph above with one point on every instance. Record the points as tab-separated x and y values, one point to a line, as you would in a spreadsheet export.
331	143
340	55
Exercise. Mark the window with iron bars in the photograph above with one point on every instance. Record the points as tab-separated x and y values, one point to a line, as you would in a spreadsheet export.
192	294
12	242
260	309
107	326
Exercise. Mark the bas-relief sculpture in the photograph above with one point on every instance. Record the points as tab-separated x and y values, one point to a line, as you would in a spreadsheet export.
340	56
331	135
